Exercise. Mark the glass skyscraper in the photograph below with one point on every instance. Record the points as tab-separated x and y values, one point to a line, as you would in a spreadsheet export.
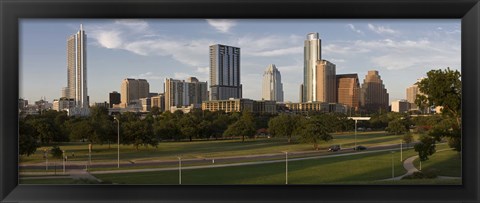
312	54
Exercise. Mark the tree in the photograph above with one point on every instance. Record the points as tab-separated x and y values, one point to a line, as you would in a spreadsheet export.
396	127
426	147
444	88
56	152
283	126
314	130
189	126
407	138
82	129
27	142
243	127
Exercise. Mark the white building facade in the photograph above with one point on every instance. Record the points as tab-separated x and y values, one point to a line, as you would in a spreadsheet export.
272	87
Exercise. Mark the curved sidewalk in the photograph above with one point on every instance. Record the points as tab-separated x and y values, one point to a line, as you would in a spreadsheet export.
410	167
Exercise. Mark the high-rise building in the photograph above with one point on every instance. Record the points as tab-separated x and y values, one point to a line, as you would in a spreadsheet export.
77	69
180	93
272	88
412	93
159	101
133	90
114	98
348	90
312	54
373	95
326	82
224	72
400	106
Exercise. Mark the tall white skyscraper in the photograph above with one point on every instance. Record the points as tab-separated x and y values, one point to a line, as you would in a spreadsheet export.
77	69
272	88
224	72
312	54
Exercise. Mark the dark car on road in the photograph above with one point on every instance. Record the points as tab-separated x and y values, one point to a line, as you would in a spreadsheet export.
334	148
359	148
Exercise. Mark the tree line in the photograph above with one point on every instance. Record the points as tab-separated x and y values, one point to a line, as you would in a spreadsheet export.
440	88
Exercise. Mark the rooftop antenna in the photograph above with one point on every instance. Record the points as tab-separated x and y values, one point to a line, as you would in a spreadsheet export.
81	27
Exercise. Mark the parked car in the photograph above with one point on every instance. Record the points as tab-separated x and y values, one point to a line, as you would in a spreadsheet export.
334	148
359	148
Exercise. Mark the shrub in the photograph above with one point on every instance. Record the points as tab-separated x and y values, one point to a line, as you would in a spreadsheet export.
56	152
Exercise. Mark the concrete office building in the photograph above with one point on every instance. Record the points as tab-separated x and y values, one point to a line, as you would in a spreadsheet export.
348	90
114	98
272	87
63	104
325	107
373	96
239	105
400	106
326	82
224	72
77	69
180	93
132	90
412	93
159	101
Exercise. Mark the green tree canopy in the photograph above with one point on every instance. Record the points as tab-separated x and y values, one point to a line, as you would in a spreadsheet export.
443	88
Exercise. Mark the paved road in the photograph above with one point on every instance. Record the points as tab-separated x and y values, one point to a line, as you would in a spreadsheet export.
201	161
241	164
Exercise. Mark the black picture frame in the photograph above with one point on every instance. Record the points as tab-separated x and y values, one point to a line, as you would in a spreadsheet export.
12	10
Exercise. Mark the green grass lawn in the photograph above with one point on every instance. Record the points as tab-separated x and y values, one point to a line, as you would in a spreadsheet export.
445	163
208	149
364	168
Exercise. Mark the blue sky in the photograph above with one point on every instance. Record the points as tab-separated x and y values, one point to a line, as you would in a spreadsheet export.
154	49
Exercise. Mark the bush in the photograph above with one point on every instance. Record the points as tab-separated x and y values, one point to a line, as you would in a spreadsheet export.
427	174
56	152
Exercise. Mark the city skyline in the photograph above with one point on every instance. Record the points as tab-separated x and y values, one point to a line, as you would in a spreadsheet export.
110	47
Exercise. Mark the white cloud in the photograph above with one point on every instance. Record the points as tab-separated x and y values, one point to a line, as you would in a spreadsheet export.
109	39
147	76
204	70
352	27
221	25
280	52
381	29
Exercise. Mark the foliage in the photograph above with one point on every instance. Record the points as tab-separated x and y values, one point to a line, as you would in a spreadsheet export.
443	88
27	141
243	127
426	147
430	174
314	130
396	127
407	138
283	125
56	152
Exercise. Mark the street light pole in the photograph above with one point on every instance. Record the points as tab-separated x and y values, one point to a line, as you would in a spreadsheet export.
118	142
63	156
393	168
401	151
179	170
286	168
355	134
45	152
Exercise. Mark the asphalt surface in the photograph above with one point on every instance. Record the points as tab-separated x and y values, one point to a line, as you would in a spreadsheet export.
209	162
